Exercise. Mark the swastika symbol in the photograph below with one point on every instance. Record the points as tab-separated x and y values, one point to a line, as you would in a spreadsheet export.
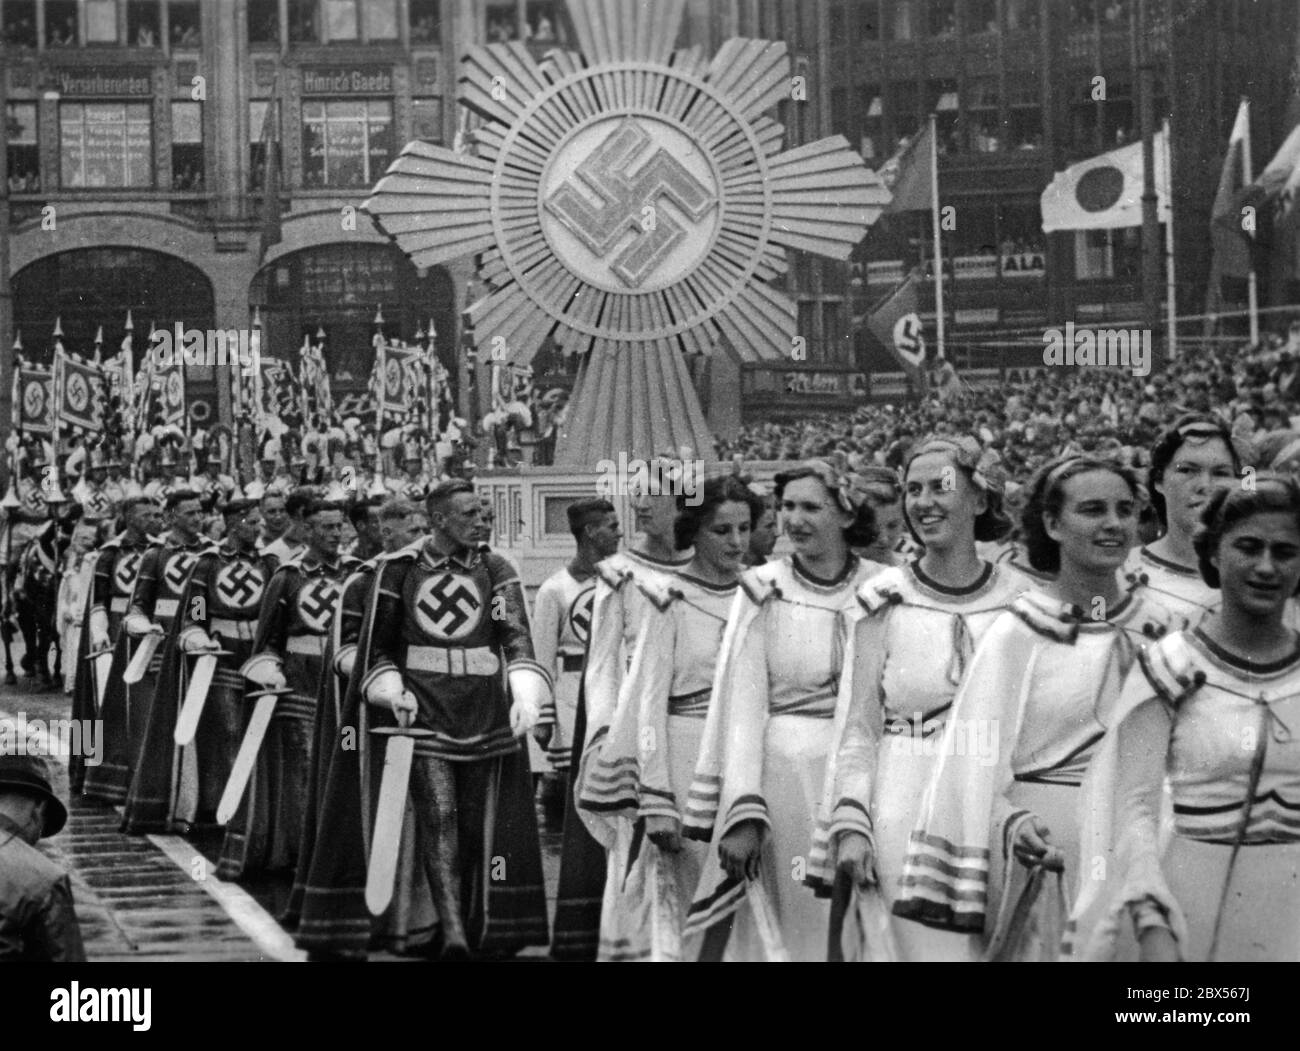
448	606
124	572
78	392
34	399
96	504
623	196
580	614
177	569
316	604
34	500
239	585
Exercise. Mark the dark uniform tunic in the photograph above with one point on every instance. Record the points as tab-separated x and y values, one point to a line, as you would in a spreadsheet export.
294	626
37	921
124	709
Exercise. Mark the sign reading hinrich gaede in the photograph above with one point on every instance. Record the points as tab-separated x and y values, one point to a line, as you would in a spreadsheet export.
346	80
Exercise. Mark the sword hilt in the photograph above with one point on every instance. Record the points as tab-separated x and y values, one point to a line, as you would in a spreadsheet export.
210	653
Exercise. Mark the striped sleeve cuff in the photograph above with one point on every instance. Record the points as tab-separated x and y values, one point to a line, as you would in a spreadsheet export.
747	808
656	803
851	816
701	807
344	659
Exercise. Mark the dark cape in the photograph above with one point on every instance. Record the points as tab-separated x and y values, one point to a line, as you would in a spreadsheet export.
334	917
582	868
153	787
124	712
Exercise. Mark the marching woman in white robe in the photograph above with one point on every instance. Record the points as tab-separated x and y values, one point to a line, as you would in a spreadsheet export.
1196	456
911	638
758	783
1040	692
1215	710
645	763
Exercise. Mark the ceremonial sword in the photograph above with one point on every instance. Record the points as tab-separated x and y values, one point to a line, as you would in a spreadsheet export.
187	724
101	668
143	655
246	758
390	812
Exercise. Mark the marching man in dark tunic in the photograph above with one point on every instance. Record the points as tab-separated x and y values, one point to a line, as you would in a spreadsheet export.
116	568
293	628
445	657
179	785
155	605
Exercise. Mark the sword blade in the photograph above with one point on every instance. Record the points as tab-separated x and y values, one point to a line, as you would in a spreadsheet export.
187	724
143	655
388	823
246	758
103	665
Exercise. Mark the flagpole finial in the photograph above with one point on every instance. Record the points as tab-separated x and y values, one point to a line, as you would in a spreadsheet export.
18	340
130	325
58	326
320	332
379	314
257	317
99	336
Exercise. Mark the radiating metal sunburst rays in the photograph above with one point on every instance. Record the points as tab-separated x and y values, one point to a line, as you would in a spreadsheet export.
440	205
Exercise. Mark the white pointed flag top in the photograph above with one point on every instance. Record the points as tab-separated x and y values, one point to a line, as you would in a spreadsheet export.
18	340
1105	192
130	325
58	326
257	317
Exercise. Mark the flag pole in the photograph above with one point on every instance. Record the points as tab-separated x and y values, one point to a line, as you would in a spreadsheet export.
1171	282
938	244
1252	279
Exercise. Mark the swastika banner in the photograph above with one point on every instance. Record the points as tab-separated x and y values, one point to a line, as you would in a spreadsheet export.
81	392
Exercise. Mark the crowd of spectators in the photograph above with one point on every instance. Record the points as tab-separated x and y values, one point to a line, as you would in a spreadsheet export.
1038	414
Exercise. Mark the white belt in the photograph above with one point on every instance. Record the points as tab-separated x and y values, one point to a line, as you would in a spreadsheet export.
165	607
119	604
313	644
233	629
454	660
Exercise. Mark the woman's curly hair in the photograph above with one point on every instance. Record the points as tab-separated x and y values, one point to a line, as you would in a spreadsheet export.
1047	497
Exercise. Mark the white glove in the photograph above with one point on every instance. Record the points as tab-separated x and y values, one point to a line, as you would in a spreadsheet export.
98	630
196	640
386	691
531	692
406	708
138	625
264	670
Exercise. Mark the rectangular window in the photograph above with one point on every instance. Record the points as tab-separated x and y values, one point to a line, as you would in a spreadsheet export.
302	22
259	134
903	23
1021	15
61	26
263	22
1094	254
502	22
379	19
541	22
869	19
142	27
426	119
943	17
185	26
187	146
18	23
24	172
101	21
346	143
105	145
981	16
426	27
340	20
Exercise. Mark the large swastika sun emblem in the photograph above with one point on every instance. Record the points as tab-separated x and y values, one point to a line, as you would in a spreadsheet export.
239	585
580	614
614	202
124	572
316	604
34	399
448	606
177	569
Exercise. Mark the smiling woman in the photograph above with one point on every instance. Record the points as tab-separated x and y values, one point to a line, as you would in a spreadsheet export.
1210	711
1044	680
